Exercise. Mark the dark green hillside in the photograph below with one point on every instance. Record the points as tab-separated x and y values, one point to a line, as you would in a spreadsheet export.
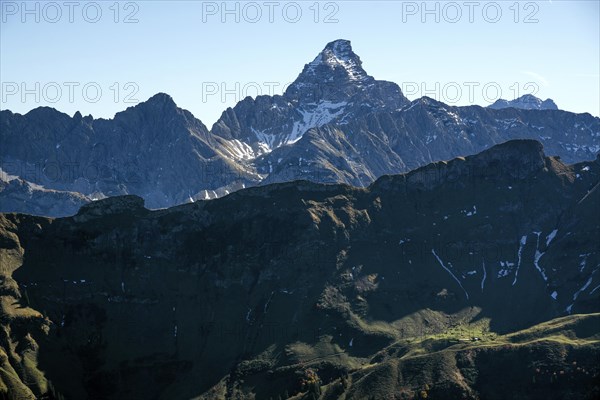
431	283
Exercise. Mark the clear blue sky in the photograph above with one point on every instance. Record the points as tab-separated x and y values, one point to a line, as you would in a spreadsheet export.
187	50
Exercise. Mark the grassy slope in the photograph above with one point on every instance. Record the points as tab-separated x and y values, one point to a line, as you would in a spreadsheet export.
557	359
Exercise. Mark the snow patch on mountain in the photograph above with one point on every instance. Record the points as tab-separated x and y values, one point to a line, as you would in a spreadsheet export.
551	237
577	293
522	244
450	272
538	255
240	150
313	115
323	113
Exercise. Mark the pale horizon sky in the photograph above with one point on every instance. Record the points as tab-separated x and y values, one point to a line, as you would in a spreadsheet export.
198	53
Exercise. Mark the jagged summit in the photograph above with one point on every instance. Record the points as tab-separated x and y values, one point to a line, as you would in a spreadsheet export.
160	105
329	90
338	56
335	73
526	102
341	48
160	100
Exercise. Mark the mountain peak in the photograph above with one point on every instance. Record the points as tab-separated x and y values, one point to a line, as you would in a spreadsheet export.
337	57
341	48
335	64
161	98
334	74
526	102
155	105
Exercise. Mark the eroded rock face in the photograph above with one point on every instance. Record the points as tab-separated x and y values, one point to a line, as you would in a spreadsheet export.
334	124
237	297
154	150
21	196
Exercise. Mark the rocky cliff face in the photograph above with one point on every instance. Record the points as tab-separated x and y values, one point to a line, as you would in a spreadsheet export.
332	89
154	149
301	288
22	196
334	124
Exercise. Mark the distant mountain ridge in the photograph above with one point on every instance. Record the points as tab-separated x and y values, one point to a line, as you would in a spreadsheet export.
525	102
334	124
